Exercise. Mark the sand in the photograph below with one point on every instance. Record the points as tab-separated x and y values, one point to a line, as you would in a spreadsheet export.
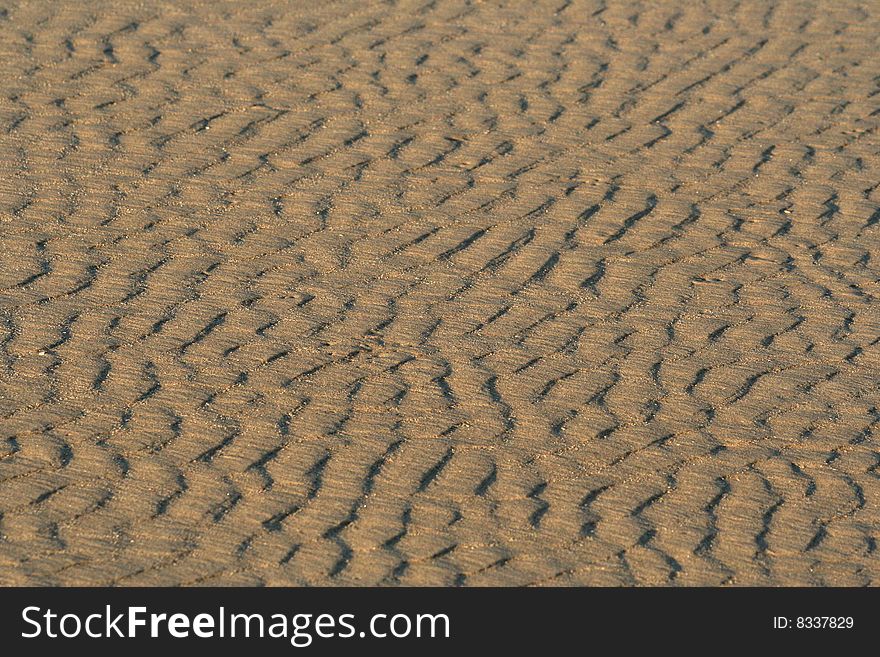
439	293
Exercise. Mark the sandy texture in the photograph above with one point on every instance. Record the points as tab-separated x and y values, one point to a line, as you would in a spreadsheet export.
479	293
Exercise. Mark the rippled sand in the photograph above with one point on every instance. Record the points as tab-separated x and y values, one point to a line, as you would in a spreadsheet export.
481	293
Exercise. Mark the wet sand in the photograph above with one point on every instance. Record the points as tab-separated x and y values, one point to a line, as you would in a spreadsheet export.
439	293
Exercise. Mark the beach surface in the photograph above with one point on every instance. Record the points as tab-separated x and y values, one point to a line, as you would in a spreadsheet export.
439	293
